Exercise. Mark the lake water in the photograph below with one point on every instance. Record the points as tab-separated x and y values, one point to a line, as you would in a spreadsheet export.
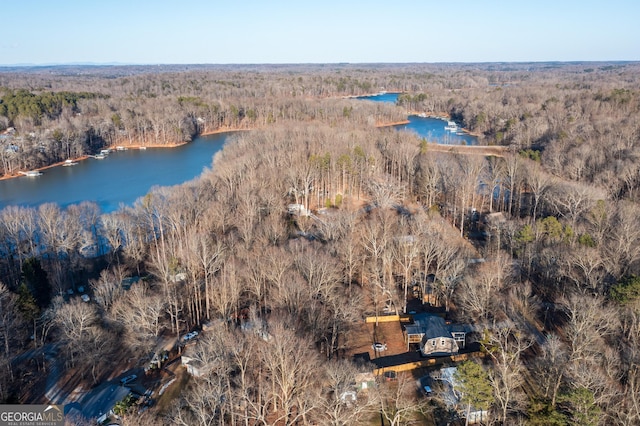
384	97
432	129
122	177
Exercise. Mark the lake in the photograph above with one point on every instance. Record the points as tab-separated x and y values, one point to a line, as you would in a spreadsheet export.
381	97
433	130
125	176
430	128
122	177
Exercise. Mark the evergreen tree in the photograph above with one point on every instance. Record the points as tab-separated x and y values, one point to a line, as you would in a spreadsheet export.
627	290
542	413
27	303
474	385
582	407
36	281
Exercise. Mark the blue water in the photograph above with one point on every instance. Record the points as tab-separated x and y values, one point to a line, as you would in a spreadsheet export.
122	177
386	97
432	129
125	176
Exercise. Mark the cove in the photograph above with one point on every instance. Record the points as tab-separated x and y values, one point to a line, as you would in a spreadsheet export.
434	130
431	128
120	178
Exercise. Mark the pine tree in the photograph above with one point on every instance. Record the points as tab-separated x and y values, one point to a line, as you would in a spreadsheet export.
474	385
36	280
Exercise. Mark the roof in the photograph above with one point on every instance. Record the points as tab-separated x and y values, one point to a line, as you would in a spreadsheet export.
432	326
495	218
100	401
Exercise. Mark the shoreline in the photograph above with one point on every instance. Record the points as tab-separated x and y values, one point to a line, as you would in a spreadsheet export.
39	169
395	123
114	148
220	131
370	95
445	117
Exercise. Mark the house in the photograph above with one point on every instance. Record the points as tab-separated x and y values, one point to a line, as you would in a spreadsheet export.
258	327
178	277
434	336
191	362
493	223
97	403
192	365
298	210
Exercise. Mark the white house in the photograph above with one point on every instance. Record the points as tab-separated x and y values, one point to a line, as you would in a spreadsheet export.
298	210
193	364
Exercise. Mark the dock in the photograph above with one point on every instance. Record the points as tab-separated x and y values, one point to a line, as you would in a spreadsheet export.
31	173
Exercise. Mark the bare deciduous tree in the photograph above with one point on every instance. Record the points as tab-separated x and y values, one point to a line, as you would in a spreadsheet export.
107	289
140	314
399	403
341	406
506	345
291	369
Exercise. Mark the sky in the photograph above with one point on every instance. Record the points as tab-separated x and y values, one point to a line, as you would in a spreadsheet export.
43	32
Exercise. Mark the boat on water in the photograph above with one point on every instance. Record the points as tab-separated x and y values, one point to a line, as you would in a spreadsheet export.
451	126
105	151
100	156
143	148
422	115
32	173
121	148
69	163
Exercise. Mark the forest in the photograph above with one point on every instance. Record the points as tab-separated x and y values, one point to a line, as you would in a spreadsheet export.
538	248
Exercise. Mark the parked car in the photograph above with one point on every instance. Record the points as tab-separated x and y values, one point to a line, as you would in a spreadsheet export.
189	336
128	379
426	390
379	347
424	384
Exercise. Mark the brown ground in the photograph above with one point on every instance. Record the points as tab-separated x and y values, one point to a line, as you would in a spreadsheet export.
362	339
396	123
498	151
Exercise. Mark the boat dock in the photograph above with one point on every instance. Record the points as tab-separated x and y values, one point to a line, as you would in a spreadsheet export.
31	173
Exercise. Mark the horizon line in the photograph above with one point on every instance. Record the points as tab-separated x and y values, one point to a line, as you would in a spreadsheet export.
129	64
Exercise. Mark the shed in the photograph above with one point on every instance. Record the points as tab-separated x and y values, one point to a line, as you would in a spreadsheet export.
365	381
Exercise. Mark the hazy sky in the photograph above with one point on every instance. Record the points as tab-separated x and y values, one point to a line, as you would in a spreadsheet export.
275	31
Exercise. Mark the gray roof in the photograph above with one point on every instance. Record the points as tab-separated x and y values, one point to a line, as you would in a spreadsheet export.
432	326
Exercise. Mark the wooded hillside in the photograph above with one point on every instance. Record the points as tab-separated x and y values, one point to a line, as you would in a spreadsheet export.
538	249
